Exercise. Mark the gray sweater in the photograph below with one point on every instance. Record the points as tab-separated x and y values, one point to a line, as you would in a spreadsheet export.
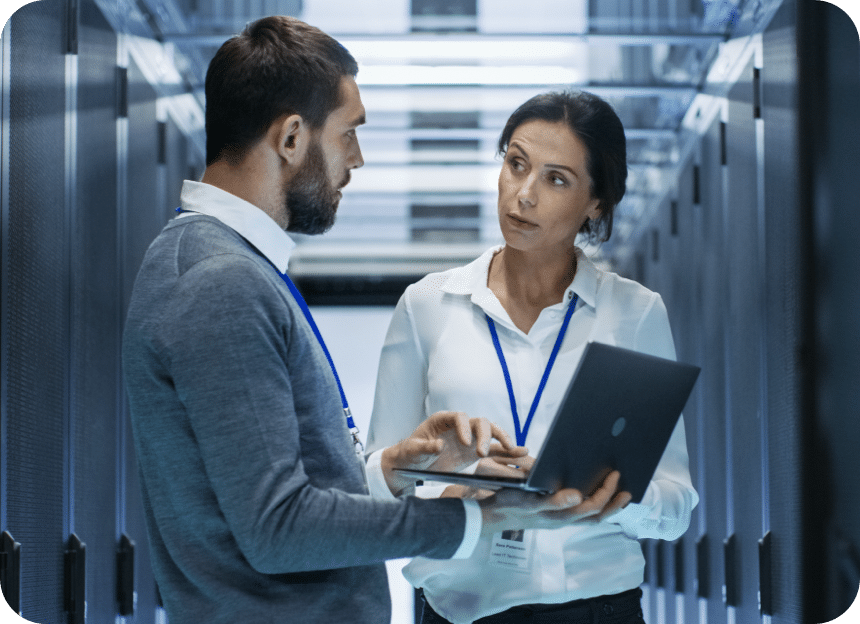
256	505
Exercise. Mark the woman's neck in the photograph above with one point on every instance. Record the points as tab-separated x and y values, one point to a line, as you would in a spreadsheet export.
526	283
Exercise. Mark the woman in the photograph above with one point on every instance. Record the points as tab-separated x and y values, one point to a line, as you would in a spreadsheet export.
563	173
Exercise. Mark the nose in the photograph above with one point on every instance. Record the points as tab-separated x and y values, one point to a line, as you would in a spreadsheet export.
527	193
356	160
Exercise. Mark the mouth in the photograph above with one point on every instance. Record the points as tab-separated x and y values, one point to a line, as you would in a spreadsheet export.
520	222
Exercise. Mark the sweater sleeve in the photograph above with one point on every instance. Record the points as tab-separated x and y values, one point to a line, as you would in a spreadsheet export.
271	436
666	507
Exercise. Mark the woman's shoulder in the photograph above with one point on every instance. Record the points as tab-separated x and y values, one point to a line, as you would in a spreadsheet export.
431	285
616	289
634	314
463	280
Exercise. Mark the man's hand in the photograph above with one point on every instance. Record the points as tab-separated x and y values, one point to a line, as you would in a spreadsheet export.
494	466
510	509
446	442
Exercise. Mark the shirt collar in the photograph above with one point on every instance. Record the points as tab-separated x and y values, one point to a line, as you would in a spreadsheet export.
585	281
472	280
250	222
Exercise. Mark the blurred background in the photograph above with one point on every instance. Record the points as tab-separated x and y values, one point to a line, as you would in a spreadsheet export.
439	78
741	210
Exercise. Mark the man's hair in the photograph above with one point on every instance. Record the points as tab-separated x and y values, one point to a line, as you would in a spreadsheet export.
276	66
597	125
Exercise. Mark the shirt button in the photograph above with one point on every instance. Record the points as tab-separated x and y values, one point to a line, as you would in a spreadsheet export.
607	609
569	295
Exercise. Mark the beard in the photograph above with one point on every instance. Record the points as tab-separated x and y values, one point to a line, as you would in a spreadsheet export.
311	200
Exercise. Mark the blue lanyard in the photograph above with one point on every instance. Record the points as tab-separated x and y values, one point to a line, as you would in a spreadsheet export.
307	312
522	433
310	319
359	447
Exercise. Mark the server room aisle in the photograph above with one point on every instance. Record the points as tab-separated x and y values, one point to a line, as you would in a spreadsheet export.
742	213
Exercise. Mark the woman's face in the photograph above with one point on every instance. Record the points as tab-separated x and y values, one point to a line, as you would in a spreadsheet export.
544	188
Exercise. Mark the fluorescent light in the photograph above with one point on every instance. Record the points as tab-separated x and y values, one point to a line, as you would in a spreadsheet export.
466	74
534	49
460	178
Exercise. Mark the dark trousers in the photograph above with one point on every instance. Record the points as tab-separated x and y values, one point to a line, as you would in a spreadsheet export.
623	608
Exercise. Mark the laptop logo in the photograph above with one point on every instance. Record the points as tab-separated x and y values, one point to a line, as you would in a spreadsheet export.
618	427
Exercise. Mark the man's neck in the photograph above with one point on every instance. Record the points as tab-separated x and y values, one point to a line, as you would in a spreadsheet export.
250	180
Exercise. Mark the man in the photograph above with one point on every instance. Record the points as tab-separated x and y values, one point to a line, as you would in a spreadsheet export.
256	503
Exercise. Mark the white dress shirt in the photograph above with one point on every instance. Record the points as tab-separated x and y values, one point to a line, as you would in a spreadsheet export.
259	229
439	355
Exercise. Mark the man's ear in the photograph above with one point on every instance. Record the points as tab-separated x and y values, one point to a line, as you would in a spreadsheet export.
290	136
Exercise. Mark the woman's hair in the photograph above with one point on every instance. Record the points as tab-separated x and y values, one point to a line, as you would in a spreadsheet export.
277	66
596	124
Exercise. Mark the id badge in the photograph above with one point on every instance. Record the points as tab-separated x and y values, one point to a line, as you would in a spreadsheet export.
513	550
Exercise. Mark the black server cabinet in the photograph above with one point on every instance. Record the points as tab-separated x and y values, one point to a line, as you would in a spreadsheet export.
684	222
745	350
753	254
783	236
80	206
712	244
95	340
36	308
829	155
176	165
144	214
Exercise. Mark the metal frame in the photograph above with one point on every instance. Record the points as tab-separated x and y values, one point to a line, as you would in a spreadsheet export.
5	88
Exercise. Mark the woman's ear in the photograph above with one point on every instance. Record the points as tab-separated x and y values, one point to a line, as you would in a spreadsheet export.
594	210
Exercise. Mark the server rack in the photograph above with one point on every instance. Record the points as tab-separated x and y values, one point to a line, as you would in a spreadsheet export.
84	188
744	251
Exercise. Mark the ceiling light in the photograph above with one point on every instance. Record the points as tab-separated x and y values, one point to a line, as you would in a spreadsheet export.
523	50
402	75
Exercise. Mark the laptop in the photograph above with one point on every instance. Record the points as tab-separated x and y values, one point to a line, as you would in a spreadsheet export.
618	413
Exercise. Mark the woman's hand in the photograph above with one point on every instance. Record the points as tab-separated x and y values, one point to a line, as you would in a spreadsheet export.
447	442
510	509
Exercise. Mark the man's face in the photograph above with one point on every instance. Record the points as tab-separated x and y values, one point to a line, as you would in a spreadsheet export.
314	193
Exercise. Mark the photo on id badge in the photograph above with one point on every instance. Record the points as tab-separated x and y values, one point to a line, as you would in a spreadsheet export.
512	550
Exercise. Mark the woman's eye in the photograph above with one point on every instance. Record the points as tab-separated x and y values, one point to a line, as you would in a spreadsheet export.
517	164
557	180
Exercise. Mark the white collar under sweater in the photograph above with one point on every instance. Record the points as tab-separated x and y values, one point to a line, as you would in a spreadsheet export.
250	222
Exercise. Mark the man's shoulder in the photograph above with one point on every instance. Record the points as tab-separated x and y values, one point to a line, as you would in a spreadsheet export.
201	273
200	236
201	244
198	258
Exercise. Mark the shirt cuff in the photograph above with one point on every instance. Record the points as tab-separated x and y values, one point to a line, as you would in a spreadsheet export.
473	530
430	489
631	515
378	488
376	483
